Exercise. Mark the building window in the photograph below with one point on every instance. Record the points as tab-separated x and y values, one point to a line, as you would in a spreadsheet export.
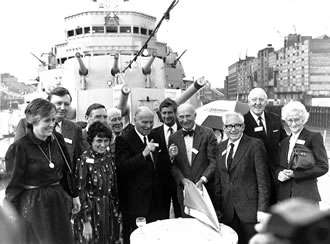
302	59
79	31
125	29
87	30
302	67
70	33
143	31
98	29
111	29
136	30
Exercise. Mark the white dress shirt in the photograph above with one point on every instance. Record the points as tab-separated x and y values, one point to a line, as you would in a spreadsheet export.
189	141
236	143
256	118
167	132
292	143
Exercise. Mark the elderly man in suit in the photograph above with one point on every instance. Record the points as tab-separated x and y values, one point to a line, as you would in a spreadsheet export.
241	179
72	134
195	158
161	134
266	126
139	181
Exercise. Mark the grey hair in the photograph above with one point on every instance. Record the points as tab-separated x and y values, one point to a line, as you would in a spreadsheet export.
113	111
228	114
295	106
257	90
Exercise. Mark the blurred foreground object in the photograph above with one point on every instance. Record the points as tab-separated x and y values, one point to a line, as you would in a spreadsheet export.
295	221
9	228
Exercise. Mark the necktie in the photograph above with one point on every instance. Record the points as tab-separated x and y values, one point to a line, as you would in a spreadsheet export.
262	124
145	141
188	133
230	156
170	130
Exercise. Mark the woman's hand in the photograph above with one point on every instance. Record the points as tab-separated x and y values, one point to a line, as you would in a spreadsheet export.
87	231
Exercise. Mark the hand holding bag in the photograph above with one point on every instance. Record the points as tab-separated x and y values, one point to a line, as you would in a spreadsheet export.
302	158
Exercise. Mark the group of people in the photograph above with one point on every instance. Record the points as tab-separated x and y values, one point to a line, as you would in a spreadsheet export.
105	175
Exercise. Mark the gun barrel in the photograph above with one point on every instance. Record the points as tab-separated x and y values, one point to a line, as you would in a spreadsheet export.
115	69
190	91
82	68
122	105
146	70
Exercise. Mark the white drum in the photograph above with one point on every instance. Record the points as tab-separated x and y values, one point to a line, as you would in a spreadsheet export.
182	231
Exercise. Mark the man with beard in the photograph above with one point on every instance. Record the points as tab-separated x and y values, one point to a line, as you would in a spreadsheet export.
138	173
242	181
196	153
161	135
265	126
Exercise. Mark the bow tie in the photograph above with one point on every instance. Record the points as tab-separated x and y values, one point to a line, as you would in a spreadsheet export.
188	132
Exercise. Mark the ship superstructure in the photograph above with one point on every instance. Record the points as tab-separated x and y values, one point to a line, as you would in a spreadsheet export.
109	53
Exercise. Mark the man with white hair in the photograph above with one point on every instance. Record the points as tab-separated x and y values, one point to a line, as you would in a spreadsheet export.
266	126
115	121
139	181
242	182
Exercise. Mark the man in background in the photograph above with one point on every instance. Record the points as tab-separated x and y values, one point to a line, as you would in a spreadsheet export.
265	126
161	135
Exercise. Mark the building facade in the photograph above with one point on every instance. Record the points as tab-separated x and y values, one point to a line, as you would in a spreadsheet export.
299	70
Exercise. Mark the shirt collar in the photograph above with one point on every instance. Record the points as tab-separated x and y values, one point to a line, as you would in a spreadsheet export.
296	135
236	143
257	116
194	127
166	127
140	135
36	140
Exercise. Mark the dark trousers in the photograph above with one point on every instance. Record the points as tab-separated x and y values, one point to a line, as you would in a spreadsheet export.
245	231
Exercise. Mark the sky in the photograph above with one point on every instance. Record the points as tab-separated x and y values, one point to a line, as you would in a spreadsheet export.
215	33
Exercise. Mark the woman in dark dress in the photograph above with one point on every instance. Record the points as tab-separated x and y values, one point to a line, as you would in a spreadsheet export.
36	187
98	220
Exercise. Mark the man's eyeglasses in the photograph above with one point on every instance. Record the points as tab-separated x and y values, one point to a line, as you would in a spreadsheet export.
236	126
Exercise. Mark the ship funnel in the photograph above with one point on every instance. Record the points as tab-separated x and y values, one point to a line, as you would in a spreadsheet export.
82	68
191	90
122	105
146	70
115	69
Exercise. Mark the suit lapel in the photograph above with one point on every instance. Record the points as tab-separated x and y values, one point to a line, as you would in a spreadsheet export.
222	155
67	131
196	142
241	149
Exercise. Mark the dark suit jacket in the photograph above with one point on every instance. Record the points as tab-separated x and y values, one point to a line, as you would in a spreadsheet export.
138	178
245	188
70	131
164	163
203	163
304	183
275	134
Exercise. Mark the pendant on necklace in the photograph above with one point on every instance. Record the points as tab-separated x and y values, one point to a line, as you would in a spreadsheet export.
51	165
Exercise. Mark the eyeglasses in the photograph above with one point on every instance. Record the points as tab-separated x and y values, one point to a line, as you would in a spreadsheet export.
236	126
